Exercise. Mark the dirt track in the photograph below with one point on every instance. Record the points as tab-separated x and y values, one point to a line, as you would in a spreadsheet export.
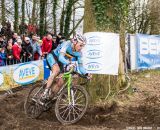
142	109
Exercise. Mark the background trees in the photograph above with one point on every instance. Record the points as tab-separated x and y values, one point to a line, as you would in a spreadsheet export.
65	16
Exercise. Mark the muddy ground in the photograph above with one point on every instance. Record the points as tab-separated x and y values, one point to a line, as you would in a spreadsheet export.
140	109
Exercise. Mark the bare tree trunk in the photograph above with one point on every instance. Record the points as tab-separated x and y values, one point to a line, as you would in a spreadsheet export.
62	17
22	25
23	11
42	17
16	18
33	12
89	18
3	12
74	17
69	6
154	16
45	19
54	16
75	26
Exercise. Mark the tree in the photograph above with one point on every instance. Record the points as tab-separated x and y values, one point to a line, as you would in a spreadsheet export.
70	4
55	2
106	16
154	16
22	25
3	12
16	17
42	16
33	12
23	11
62	17
138	19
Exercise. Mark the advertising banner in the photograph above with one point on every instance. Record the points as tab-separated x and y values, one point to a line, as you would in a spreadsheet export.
13	76
148	51
101	54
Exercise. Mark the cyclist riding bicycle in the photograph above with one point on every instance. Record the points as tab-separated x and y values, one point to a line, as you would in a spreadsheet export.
60	58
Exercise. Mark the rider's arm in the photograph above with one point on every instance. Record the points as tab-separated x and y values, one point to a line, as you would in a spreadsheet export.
80	66
62	53
62	59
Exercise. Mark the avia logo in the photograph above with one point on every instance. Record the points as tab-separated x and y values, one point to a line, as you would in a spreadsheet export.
94	40
93	66
1	79
94	54
26	73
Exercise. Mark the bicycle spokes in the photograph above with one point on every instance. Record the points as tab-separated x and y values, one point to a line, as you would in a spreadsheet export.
69	112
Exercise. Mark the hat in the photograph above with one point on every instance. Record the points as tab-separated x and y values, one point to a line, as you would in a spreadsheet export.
27	38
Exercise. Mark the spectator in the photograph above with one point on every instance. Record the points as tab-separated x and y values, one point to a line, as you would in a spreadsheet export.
54	44
9	52
53	34
27	50
2	42
14	37
17	51
59	36
47	44
37	53
62	39
38	38
2	56
40	43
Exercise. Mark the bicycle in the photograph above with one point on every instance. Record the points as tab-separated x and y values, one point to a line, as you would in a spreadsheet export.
70	102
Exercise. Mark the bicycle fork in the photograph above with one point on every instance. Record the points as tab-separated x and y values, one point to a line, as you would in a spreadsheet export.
72	95
70	92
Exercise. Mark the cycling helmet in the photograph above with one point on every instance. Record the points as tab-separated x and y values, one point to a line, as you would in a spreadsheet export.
80	38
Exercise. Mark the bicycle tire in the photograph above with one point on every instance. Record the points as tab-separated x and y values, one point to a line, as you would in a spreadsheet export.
57	104
34	106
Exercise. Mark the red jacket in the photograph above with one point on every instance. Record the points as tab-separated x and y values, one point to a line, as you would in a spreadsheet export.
16	51
46	45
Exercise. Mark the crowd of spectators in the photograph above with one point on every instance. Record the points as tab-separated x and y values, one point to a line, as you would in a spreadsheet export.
20	49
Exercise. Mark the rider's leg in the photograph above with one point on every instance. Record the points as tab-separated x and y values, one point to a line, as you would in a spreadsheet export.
57	86
55	72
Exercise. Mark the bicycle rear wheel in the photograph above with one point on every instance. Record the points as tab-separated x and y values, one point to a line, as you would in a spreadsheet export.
31	106
71	113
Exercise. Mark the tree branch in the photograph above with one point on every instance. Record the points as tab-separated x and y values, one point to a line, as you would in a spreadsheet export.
75	27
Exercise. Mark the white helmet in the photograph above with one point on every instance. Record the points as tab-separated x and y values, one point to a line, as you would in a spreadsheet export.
80	38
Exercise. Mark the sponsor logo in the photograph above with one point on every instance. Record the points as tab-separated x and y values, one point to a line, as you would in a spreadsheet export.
94	40
94	54
26	73
1	79
93	66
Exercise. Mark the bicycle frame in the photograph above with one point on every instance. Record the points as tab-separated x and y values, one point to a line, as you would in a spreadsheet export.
68	77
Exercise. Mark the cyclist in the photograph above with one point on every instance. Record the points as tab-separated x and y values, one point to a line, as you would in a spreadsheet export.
60	58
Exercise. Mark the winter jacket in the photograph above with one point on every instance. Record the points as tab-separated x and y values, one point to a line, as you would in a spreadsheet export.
46	45
16	51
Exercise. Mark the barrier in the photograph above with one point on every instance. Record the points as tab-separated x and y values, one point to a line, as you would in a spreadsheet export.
144	51
13	76
12	61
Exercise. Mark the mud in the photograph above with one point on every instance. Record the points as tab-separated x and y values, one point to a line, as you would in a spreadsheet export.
140	109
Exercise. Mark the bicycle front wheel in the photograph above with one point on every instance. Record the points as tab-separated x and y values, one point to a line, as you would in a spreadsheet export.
69	113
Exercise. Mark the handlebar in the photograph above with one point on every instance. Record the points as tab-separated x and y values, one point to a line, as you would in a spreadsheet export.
71	71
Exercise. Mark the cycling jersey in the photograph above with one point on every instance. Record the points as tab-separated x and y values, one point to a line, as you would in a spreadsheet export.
61	50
